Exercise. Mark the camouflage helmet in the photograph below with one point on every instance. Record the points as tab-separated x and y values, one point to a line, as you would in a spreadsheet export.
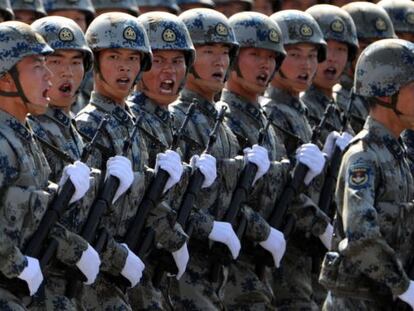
84	6
117	30
167	32
170	5
300	27
19	40
129	6
371	20
6	10
35	6
62	33
257	30
336	24
384	67
202	3
207	26
401	13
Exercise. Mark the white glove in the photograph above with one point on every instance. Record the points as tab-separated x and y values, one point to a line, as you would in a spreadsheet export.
89	264
133	267
259	156
343	140
329	146
207	165
408	295
170	162
223	232
78	173
312	157
326	237
121	168
276	245
181	258
32	275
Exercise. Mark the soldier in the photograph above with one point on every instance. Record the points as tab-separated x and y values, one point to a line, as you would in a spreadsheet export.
401	13
193	4
374	227
28	12
6	11
305	47
231	7
125	6
372	23
216	47
122	53
261	53
26	192
267	7
169	6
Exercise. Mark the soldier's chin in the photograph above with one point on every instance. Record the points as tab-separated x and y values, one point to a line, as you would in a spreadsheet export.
38	108
407	121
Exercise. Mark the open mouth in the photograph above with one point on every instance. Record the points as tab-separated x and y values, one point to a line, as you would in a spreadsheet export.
45	94
262	79
66	88
123	81
303	77
167	86
330	72
218	76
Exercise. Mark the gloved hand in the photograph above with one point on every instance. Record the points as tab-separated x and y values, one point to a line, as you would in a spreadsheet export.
343	140
207	165
259	156
32	275
223	232
275	244
181	258
78	173
89	264
170	162
121	168
312	157
133	267
330	142
326	237
408	295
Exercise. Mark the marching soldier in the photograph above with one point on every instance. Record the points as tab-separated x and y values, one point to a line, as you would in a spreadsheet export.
374	193
261	53
26	191
28	12
401	13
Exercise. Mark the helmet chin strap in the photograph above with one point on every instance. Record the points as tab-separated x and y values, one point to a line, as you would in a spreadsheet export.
407	120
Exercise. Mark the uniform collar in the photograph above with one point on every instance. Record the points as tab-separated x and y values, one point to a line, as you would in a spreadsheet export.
283	97
59	116
236	101
204	105
15	125
108	105
148	105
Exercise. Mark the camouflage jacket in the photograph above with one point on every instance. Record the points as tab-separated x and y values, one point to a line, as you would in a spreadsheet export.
212	202
316	102
246	119
118	128
289	116
359	109
375	203
408	139
25	195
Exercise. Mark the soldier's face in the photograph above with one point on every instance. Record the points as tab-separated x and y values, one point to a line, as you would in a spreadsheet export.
230	8
211	64
256	67
165	77
118	68
298	68
263	6
330	71
67	69
405	105
77	16
35	80
25	16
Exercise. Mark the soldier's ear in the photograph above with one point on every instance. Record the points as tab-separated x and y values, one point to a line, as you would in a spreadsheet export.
7	83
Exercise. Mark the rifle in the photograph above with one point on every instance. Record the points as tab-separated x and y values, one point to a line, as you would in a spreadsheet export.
278	219
326	195
166	264
100	206
220	253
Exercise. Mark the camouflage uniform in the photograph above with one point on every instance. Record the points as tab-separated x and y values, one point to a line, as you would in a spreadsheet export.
245	119
25	189
292	283
374	196
108	30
